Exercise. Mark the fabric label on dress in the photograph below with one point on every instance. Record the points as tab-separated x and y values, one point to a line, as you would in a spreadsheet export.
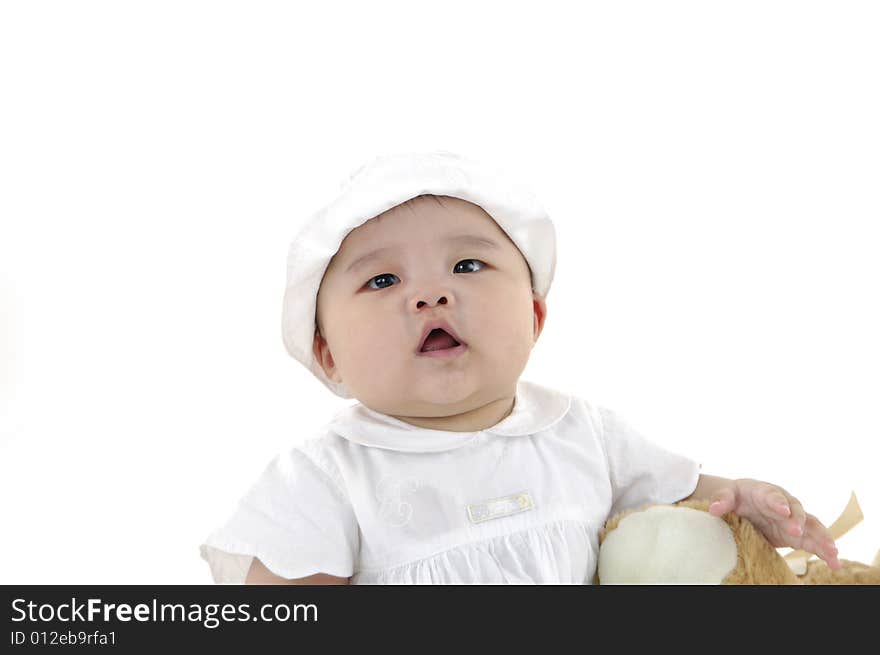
498	507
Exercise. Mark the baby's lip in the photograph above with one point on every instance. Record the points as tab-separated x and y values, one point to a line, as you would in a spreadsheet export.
434	325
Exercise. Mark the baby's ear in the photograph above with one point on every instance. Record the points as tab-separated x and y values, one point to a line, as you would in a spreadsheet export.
322	354
539	306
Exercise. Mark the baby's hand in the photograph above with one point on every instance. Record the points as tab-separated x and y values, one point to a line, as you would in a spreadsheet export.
778	515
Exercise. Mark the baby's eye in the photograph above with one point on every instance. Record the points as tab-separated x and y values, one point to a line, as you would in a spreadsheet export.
380	281
478	263
388	279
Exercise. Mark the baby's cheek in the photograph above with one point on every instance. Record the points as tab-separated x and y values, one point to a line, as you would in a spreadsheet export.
508	336
374	374
373	350
510	322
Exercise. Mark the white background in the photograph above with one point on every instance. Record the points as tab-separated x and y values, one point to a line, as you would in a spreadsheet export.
712	169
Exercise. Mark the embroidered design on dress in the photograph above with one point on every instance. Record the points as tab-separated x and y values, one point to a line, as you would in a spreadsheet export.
498	507
393	510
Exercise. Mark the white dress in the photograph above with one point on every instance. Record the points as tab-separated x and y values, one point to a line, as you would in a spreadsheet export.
385	502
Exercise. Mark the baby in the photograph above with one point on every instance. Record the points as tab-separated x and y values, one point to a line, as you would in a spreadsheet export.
421	292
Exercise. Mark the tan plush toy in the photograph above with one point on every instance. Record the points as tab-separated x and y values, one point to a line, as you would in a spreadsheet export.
684	544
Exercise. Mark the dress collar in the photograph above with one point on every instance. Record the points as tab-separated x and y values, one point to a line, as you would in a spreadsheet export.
535	408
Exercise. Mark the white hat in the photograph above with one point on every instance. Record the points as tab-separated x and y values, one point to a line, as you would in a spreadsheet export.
386	182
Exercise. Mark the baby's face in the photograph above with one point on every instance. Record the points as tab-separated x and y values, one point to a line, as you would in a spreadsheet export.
436	258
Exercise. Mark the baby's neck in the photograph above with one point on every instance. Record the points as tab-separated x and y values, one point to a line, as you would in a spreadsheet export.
470	421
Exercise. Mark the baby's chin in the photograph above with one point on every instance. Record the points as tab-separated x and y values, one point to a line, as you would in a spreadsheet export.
432	400
428	405
443	402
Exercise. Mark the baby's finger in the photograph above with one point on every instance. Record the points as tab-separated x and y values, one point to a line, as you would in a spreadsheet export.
828	554
779	503
723	501
797	524
820	541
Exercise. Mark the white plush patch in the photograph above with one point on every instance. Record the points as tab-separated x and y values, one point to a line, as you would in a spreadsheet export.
798	565
668	545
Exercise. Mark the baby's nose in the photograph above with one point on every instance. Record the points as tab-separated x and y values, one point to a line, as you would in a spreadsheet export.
440	301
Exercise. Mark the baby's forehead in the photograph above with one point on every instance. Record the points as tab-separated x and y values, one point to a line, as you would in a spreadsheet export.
426	217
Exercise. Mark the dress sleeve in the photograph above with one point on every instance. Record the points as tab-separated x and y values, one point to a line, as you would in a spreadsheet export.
642	472
296	519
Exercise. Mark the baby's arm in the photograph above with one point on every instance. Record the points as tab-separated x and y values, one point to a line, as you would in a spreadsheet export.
775	512
259	574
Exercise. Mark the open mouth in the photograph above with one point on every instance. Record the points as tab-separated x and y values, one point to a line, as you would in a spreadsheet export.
438	339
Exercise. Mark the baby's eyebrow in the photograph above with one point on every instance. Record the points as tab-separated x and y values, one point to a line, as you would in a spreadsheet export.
459	240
